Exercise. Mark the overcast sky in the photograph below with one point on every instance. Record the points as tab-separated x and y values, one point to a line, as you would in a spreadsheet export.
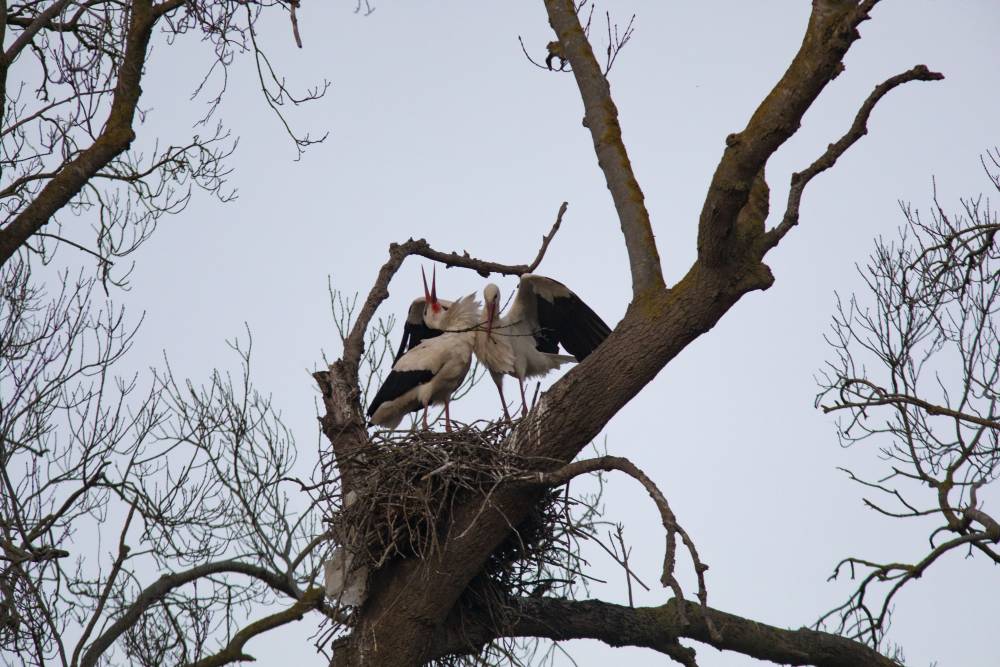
439	128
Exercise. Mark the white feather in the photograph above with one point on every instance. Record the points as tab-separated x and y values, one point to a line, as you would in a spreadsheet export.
447	357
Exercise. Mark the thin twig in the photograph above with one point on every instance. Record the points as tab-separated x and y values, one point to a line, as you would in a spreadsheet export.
548	238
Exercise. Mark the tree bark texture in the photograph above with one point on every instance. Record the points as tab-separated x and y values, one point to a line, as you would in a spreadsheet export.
658	628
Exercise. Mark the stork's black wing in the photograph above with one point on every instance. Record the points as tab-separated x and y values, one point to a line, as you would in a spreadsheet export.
413	335
567	320
396	384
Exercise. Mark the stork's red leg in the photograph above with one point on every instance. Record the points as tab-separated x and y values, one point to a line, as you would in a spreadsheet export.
426	427
498	379
524	402
447	417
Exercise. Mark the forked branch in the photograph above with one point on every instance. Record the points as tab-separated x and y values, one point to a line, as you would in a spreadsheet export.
858	129
162	587
858	618
832	29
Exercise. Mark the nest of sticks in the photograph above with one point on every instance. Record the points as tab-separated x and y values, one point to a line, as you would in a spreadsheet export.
406	490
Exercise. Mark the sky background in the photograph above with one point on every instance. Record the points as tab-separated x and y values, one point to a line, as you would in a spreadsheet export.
439	128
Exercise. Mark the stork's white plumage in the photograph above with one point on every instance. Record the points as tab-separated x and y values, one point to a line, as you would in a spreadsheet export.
430	372
525	342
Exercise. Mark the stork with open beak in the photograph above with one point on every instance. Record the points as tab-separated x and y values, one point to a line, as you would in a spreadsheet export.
429	373
525	342
427	317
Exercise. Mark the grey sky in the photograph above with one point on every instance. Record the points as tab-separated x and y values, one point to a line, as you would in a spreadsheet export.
441	129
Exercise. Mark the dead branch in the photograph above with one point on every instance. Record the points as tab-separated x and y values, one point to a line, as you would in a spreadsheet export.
601	118
545	240
293	5
834	151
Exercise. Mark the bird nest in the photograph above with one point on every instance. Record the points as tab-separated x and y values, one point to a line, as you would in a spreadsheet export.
406	490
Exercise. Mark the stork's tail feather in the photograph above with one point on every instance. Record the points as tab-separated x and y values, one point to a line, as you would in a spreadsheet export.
396	384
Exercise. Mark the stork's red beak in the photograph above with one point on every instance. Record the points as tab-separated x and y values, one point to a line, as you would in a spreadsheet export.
490	315
430	295
434	291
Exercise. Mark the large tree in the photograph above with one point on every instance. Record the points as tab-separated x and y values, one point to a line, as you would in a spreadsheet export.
916	371
178	469
407	617
212	541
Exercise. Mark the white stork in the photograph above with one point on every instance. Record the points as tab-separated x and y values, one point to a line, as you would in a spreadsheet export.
430	372
427	317
525	342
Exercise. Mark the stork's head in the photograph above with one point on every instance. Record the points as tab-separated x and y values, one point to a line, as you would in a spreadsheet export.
491	295
430	296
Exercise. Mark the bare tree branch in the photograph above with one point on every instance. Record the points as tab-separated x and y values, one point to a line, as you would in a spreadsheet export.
858	129
546	239
670	525
114	139
992	525
927	325
659	628
882	397
831	30
233	652
155	592
31	29
601	118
